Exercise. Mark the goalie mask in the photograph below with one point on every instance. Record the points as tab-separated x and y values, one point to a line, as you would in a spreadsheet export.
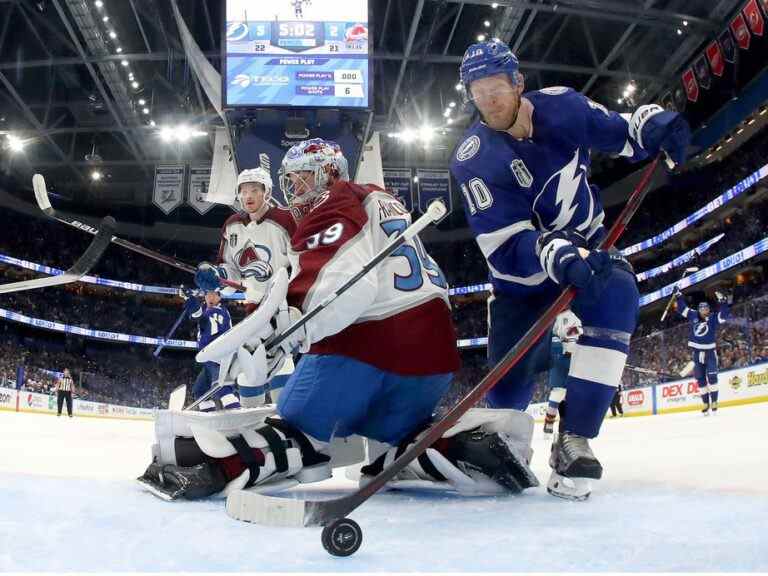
307	170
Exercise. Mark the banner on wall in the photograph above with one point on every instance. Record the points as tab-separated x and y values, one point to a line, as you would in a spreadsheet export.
754	18
433	185
169	184
399	182
715	57
199	180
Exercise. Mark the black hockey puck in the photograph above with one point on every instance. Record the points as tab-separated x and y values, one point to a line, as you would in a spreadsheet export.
342	537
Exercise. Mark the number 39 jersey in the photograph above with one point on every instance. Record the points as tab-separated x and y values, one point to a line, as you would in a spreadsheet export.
397	317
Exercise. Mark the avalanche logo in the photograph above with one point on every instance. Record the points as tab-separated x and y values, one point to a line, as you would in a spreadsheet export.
701	329
237	31
565	200
253	261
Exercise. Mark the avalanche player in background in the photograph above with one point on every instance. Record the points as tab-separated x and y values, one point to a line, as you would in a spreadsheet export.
565	334
254	243
375	362
212	321
523	170
702	340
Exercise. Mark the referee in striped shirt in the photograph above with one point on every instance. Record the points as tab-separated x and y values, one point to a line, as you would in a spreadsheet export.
64	388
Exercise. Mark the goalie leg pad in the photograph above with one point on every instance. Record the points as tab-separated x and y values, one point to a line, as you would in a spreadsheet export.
486	452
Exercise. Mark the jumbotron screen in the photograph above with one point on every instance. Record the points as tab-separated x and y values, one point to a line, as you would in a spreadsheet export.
302	53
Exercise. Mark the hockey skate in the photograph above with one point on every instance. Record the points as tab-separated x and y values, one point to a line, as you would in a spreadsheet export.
573	467
705	411
714	408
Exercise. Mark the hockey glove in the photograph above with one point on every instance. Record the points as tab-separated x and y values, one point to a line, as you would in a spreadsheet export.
563	263
207	276
723	298
655	129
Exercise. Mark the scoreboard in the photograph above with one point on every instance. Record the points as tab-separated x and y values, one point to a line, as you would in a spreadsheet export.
296	53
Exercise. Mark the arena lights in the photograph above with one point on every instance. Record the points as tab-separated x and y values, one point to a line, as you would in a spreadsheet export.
15	144
124	62
451	104
181	133
96	175
481	37
135	85
142	102
487	23
98	4
495	5
112	34
119	50
458	87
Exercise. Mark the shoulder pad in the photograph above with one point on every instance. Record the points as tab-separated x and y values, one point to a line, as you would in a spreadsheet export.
282	218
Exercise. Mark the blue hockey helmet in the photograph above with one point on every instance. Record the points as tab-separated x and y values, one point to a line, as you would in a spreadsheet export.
703	307
485	59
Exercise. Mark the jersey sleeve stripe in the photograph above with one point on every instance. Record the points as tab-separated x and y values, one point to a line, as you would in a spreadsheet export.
489	242
532	280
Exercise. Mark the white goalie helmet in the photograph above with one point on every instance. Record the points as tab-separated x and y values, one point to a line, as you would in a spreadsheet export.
259	176
321	157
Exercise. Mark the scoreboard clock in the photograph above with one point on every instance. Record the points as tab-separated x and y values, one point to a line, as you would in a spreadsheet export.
296	53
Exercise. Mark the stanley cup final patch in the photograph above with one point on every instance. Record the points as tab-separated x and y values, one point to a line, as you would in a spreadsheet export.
521	172
233	240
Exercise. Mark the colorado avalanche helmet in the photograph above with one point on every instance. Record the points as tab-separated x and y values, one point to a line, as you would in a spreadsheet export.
485	59
322	157
259	176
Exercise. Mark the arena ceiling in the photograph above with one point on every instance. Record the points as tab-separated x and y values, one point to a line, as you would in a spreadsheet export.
78	103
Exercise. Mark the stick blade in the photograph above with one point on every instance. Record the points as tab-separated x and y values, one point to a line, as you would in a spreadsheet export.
248	506
177	398
41	192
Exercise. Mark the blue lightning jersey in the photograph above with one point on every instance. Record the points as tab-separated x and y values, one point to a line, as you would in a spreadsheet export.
515	189
211	323
703	333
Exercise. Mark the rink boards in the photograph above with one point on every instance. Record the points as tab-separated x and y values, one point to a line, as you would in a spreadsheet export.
24	401
739	386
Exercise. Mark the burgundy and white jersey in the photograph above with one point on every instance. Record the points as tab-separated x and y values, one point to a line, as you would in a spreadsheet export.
397	317
255	249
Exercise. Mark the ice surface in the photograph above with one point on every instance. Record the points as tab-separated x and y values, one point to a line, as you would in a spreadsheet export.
680	492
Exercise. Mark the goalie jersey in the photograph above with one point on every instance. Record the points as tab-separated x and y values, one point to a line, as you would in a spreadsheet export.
255	249
397	317
514	189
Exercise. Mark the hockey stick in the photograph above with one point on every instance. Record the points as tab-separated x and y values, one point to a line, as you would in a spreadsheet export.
435	211
689	270
272	510
41	195
648	371
80	268
176	324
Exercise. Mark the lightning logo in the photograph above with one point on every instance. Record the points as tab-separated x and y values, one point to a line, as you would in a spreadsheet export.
568	200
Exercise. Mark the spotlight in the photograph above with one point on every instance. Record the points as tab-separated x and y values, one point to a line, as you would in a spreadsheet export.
15	144
112	34
481	37
96	175
679	32
487	23
450	120
124	62
98	4
415	178
166	133
495	5
458	87
119	50
142	101
105	19
426	133
685	22
452	104
152	123
145	110
135	85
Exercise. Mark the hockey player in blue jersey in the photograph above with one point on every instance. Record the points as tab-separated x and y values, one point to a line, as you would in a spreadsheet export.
702	340
212	321
522	169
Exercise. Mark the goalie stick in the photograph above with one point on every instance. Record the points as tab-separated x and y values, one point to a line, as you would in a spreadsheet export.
276	511
87	260
435	212
41	195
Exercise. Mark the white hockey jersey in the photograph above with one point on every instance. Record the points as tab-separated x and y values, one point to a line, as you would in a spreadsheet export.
252	250
397	317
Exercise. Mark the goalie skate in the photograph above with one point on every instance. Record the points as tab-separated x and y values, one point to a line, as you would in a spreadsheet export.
574	466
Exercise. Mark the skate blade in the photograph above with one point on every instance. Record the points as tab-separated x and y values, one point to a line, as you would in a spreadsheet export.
575	489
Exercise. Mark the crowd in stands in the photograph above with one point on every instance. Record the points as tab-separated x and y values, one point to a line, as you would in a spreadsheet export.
130	374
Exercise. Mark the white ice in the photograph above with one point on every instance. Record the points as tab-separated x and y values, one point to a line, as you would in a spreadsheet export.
680	492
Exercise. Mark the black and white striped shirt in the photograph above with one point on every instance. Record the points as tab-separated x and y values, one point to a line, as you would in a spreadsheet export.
66	384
